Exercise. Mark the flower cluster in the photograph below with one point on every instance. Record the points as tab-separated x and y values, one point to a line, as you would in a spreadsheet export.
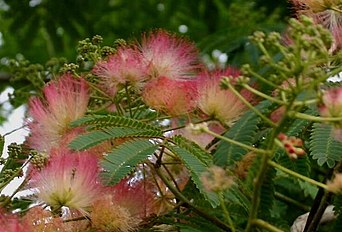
216	179
132	137
163	71
324	12
65	100
292	145
332	103
167	70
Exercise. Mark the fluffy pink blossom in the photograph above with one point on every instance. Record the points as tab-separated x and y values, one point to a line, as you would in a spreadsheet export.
123	206
173	97
133	196
169	55
202	139
10	223
38	219
219	103
65	100
331	106
332	103
125	66
69	179
325	12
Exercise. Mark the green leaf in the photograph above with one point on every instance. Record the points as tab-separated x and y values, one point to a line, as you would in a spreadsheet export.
300	165
123	159
96	137
267	190
309	190
338	211
297	127
323	146
238	203
105	121
193	148
244	131
196	167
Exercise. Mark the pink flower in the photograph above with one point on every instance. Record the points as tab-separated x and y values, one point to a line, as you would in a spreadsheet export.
202	139
335	185
325	12
64	101
11	223
125	66
173	97
133	196
169	55
332	103
122	207
69	179
106	216
39	220
219	103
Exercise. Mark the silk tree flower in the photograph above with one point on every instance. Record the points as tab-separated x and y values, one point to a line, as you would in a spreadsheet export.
125	66
325	12
65	100
11	223
216	179
331	106
335	185
69	179
331	103
39	220
169	55
218	103
202	139
123	206
173	97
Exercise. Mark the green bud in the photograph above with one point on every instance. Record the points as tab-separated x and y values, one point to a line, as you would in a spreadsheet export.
107	51
265	59
225	82
97	39
245	69
120	42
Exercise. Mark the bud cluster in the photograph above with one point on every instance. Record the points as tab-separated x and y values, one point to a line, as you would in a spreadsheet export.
292	145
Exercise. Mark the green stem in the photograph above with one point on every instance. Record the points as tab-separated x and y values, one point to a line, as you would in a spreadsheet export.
248	148
16	174
249	105
272	63
98	90
314	118
182	198
256	190
128	100
287	199
183	126
8	200
297	175
226	213
336	9
305	102
261	78
270	150
265	96
266	225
